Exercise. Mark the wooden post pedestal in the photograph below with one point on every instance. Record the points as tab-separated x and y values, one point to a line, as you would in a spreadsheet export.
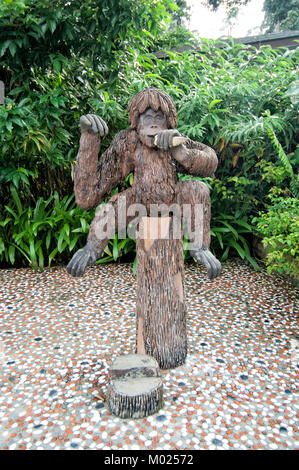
135	388
161	312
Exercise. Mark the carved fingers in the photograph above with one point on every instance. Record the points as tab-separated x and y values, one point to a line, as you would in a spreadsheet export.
205	257
164	139
94	124
81	259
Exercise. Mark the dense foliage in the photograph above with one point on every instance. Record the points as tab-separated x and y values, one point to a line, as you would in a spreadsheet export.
241	101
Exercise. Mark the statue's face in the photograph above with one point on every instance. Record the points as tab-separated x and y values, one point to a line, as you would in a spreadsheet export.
150	123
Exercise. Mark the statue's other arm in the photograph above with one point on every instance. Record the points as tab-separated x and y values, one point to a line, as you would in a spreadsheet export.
195	158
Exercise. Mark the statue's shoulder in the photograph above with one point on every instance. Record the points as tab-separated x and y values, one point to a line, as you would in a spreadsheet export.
127	138
126	134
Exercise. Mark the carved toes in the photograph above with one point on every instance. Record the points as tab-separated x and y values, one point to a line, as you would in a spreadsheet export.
206	258
76	267
81	259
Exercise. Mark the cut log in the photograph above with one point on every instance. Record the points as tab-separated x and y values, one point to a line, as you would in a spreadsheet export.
160	307
135	388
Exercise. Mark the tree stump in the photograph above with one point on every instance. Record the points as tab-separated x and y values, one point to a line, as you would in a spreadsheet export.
135	388
160	309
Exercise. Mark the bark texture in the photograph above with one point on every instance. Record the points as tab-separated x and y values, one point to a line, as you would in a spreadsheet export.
161	312
135	388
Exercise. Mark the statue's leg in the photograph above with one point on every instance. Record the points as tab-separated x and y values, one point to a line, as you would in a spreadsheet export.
110	218
193	196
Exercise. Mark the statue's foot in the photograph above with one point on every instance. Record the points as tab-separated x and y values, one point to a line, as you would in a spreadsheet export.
82	258
205	257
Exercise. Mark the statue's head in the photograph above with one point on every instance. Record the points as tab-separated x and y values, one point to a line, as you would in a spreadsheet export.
150	111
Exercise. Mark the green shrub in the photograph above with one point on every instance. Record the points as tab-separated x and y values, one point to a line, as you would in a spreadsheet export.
279	228
38	236
278	223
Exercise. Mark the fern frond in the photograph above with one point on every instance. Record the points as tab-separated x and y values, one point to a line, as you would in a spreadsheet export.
284	160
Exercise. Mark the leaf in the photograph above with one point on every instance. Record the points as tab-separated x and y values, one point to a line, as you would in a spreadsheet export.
225	254
230	228
84	225
107	251
12	48
32	251
4	47
219	237
18	121
66	229
11	254
52	255
236	158
40	258
212	104
73	242
16	200
115	251
60	242
57	68
48	239
238	248
8	125
244	224
104	260
293	91
3	223
222	145
253	263
135	266
36	225
43	98
9	209
52	25
23	102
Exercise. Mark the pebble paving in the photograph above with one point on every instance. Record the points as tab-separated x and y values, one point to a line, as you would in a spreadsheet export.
58	336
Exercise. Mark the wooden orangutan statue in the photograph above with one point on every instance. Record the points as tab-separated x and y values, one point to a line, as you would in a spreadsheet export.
147	150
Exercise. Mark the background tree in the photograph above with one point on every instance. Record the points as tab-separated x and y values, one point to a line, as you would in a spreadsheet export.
181	13
228	4
281	16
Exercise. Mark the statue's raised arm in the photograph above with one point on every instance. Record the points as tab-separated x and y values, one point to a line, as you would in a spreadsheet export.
93	179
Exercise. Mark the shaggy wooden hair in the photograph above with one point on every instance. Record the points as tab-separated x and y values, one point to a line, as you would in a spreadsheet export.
155	99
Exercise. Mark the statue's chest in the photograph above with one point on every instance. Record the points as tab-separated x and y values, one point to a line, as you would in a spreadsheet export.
155	176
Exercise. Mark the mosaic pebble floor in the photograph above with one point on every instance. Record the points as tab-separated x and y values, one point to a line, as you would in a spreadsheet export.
237	389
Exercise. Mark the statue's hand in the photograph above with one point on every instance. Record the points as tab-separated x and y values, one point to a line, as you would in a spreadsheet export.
93	124
163	139
82	258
